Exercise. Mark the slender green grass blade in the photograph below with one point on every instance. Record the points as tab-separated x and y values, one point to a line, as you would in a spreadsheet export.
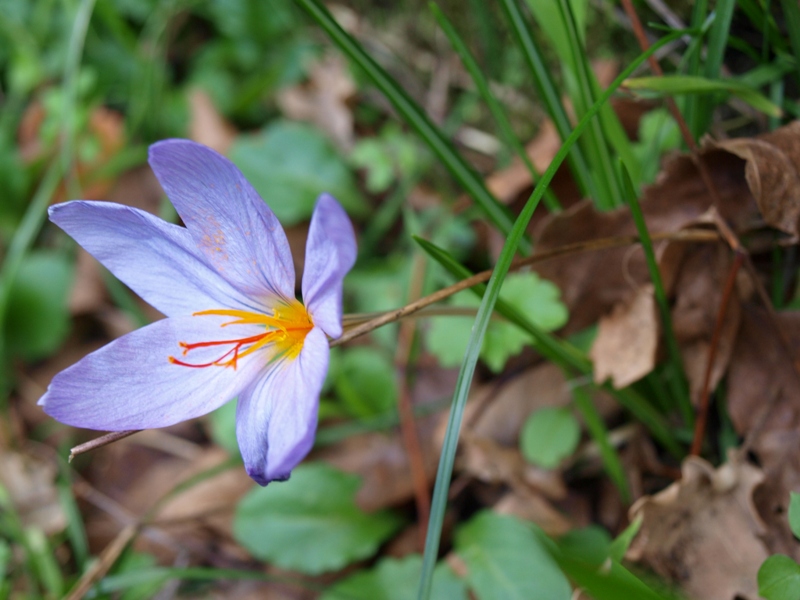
678	380
447	458
670	85
791	13
599	433
22	241
693	57
549	199
123	581
550	96
416	118
712	63
762	19
599	155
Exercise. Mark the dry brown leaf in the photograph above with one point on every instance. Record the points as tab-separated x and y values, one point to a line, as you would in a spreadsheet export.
773	173
627	340
31	484
763	387
702	532
526	505
322	100
206	124
592	283
698	284
381	461
508	183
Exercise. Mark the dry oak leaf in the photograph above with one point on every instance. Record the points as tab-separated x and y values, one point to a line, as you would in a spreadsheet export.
772	171
702	532
627	340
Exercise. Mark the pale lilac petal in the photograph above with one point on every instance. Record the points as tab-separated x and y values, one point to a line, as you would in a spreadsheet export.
230	223
157	260
330	254
277	415
131	384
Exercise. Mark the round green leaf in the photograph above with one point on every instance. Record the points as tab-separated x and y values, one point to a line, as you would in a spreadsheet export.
365	382
549	435
37	320
779	578
536	298
394	579
311	523
794	513
290	164
506	559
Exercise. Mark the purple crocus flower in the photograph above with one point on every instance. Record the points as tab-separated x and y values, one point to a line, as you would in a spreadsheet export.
226	283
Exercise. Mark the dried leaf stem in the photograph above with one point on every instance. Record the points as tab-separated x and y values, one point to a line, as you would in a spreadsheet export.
702	413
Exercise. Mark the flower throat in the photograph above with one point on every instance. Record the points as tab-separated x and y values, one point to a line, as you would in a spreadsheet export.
285	330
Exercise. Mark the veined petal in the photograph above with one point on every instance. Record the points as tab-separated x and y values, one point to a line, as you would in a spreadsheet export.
330	254
131	383
157	260
276	417
229	222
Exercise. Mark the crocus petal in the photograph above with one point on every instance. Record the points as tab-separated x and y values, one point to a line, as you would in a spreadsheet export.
131	384
330	254
230	223
276	417
157	260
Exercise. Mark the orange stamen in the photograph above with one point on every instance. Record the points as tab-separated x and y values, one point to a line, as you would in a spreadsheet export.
285	330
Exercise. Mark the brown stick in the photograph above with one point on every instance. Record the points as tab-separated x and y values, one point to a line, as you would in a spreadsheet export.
107	559
702	415
99	442
408	426
694	235
644	44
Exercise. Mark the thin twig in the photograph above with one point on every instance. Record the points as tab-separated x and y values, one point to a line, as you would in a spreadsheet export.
107	559
702	414
644	44
103	440
689	235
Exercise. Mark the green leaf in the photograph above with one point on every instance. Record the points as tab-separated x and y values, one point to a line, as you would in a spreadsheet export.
779	578
223	427
549	435
590	545
506	559
365	382
394	579
623	541
311	523
290	164
794	513
536	298
673	85
37	320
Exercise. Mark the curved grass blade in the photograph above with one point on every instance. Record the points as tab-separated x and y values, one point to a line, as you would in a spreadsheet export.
549	199
485	311
791	12
598	150
712	62
549	94
597	429
680	388
671	85
498	214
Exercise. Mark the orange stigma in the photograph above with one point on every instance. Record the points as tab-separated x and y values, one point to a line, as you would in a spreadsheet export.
285	331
